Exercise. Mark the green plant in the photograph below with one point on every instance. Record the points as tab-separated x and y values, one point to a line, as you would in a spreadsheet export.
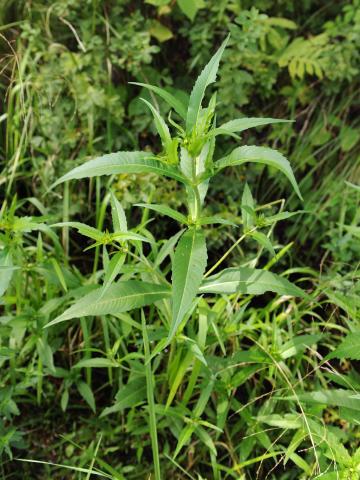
187	158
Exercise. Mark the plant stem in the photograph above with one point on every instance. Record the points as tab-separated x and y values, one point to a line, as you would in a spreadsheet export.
151	401
228	252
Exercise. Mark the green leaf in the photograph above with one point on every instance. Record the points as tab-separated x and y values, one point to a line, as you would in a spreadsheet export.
118	214
249	281
113	270
348	348
263	240
161	126
298	344
159	31
122	162
207	76
241	124
247	208
128	396
87	394
187	272
6	270
164	210
264	155
120	297
96	362
83	229
190	7
170	99
338	398
167	248
289	420
215	219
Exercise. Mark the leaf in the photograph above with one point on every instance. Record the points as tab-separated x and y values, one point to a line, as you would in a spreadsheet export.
159	31
352	185
190	7
122	162
187	272
264	241
113	270
87	394
120	297
289	420
118	214
241	124
128	396
264	155
164	210
215	219
249	281
339	398
167	248
298	344
83	229
348	348
96	362
247	208
170	99
161	126
207	76
6	270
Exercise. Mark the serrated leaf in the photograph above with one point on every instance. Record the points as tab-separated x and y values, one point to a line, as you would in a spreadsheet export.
122	162
164	210
170	99
339	398
348	348
249	281
87	394
207	76
266	156
83	229
120	297
187	272
241	124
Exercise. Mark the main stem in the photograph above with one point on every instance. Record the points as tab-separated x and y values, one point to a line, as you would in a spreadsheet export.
151	401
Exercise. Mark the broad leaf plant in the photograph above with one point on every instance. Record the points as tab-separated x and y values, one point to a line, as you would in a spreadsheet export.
187	156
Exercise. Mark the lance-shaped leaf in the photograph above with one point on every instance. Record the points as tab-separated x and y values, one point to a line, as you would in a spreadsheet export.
187	272
118	215
207	76
120	297
122	162
170	99
164	210
249	281
161	126
112	270
241	124
6	270
264	155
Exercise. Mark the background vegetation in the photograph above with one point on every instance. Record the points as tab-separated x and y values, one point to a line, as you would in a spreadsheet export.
64	73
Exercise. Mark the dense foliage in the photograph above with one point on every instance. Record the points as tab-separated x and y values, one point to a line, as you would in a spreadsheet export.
255	377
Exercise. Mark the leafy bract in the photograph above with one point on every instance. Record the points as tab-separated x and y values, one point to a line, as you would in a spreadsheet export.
187	272
120	297
249	281
264	155
207	76
241	124
170	99
122	162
